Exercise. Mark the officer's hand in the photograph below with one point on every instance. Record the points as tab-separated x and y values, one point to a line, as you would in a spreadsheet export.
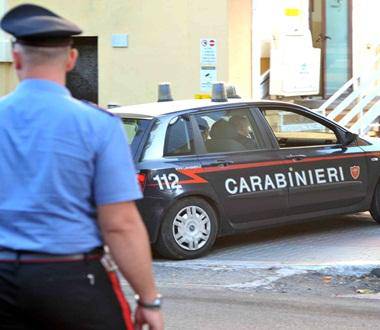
152	318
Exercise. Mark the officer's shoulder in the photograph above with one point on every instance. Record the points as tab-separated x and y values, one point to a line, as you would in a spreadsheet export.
96	107
5	99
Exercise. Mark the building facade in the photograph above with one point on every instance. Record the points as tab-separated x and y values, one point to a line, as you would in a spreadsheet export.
346	32
163	44
129	46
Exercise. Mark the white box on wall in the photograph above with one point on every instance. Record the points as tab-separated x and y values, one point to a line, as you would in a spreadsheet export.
120	40
294	65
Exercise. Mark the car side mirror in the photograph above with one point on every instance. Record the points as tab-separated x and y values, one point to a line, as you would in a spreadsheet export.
348	138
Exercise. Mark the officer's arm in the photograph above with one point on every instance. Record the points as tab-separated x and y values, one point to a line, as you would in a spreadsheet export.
126	236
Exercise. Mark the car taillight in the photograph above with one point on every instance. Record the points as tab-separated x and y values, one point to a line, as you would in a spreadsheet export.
141	178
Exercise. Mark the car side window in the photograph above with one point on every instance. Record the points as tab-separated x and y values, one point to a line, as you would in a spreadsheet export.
153	147
295	130
179	138
227	130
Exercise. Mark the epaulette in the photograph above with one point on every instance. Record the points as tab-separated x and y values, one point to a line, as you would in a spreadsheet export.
97	107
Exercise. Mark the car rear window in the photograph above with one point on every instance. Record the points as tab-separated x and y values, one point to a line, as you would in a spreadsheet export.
135	129
179	139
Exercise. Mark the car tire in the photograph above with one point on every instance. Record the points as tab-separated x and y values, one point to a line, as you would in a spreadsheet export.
375	206
188	230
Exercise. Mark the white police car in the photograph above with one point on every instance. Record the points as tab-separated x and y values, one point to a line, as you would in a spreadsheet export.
210	168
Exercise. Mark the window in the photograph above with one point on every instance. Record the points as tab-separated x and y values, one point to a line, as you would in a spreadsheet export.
135	129
227	130
179	140
154	146
294	130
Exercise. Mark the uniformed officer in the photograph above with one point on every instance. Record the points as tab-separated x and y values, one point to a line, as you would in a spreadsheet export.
67	186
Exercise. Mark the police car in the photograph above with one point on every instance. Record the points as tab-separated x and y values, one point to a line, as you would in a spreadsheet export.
210	168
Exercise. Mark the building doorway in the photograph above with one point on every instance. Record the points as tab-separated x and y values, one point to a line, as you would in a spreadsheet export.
331	27
83	80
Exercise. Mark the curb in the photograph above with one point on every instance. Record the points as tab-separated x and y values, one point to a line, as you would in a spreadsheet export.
341	268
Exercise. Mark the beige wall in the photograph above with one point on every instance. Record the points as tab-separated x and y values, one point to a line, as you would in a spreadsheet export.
7	79
240	45
366	37
164	40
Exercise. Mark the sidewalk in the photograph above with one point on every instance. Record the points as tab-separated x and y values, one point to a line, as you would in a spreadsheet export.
348	245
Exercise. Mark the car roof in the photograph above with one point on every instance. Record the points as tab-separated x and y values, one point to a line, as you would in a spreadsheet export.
152	110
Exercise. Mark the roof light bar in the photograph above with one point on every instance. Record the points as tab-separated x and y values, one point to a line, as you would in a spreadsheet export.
219	93
164	92
231	92
112	105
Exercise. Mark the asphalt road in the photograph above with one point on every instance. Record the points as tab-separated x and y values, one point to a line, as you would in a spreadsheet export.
210	309
279	279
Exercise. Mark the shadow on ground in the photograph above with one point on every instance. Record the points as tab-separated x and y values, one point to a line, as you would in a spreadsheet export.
317	227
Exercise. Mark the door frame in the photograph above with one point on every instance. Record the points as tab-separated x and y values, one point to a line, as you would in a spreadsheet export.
92	41
323	48
323	42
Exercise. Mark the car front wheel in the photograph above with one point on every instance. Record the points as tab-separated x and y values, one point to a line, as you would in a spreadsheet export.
375	206
188	230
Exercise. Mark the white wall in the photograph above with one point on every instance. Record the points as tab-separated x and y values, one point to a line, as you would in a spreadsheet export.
4	39
366	34
268	18
3	7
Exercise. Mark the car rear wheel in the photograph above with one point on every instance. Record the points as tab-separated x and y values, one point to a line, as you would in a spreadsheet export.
375	206
188	230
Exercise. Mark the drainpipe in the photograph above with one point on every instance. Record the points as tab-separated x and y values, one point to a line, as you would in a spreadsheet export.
5	42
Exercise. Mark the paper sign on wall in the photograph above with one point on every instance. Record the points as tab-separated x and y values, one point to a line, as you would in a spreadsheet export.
208	49
208	61
208	77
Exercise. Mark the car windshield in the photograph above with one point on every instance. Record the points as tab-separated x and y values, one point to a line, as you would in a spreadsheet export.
135	129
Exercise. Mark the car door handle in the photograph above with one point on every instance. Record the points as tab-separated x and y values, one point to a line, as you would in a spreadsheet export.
296	157
222	163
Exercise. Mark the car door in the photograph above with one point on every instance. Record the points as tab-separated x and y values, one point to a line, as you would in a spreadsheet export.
322	173
235	156
167	150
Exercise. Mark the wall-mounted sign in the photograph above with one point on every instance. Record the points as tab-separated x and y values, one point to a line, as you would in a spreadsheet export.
292	12
208	51
208	61
208	77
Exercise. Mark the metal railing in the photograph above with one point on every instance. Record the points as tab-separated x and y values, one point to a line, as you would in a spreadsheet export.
363	125
264	84
358	93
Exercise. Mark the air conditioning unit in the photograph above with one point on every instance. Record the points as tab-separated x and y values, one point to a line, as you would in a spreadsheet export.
294	65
